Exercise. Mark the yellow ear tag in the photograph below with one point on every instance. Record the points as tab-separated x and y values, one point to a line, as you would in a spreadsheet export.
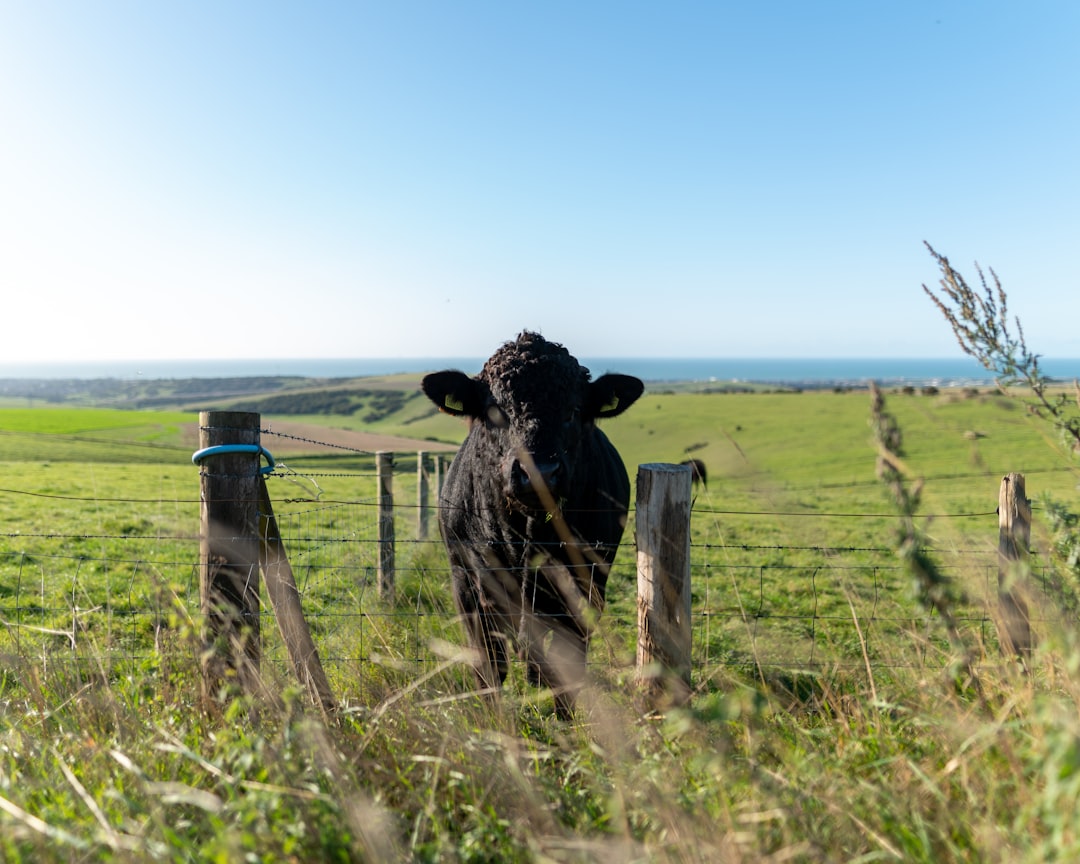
611	406
454	404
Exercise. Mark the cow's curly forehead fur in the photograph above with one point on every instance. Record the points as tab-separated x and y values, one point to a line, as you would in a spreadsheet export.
533	371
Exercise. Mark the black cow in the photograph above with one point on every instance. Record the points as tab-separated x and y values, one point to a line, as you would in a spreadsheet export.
533	508
698	474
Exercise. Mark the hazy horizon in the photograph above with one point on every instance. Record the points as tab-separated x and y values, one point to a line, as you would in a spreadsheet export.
790	369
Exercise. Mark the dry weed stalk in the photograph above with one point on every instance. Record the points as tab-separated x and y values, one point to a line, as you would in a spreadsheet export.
933	588
980	322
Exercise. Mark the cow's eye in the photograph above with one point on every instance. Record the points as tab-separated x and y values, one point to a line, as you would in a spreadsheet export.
497	417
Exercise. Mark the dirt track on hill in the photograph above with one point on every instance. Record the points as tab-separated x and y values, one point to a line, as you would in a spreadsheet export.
285	437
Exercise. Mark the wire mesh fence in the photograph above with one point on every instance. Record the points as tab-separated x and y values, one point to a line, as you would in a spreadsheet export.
107	609
113	596
845	615
747	616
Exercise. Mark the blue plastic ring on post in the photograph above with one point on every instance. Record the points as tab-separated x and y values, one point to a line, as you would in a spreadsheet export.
222	449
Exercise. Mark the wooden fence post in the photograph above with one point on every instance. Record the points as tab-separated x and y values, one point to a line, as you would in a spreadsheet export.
384	462
1014	537
422	494
285	599
662	518
229	549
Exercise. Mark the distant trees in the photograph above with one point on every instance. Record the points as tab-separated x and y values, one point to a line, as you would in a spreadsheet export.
378	404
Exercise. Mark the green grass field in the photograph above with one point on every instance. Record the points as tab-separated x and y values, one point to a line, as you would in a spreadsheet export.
828	721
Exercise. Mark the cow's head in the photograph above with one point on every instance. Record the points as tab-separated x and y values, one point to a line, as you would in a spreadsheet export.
533	404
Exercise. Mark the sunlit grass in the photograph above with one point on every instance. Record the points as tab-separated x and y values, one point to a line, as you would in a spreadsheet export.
827	722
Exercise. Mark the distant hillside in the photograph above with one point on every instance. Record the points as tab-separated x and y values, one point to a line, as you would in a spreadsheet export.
122	393
299	394
371	405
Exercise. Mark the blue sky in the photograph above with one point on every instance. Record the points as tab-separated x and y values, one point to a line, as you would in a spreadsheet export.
226	180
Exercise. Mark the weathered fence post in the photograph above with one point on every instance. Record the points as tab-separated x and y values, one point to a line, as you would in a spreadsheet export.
285	598
229	550
422	494
384	469
1014	537
663	564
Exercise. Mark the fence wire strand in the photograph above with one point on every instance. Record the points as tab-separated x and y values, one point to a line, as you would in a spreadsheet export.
811	607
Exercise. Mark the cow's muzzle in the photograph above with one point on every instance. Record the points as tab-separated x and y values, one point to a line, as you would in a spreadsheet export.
536	484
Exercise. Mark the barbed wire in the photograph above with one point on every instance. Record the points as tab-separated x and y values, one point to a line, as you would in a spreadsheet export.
841	515
92	498
824	550
372	503
927	478
793	487
269	431
352	502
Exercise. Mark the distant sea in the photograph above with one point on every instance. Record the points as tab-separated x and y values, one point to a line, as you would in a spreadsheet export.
799	372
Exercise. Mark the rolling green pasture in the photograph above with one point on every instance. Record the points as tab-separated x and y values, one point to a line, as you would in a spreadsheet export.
792	535
826	723
63	434
795	527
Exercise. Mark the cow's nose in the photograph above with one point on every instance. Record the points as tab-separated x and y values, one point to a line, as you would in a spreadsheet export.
531	479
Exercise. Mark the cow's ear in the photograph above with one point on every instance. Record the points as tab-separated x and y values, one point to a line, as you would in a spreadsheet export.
454	392
610	395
